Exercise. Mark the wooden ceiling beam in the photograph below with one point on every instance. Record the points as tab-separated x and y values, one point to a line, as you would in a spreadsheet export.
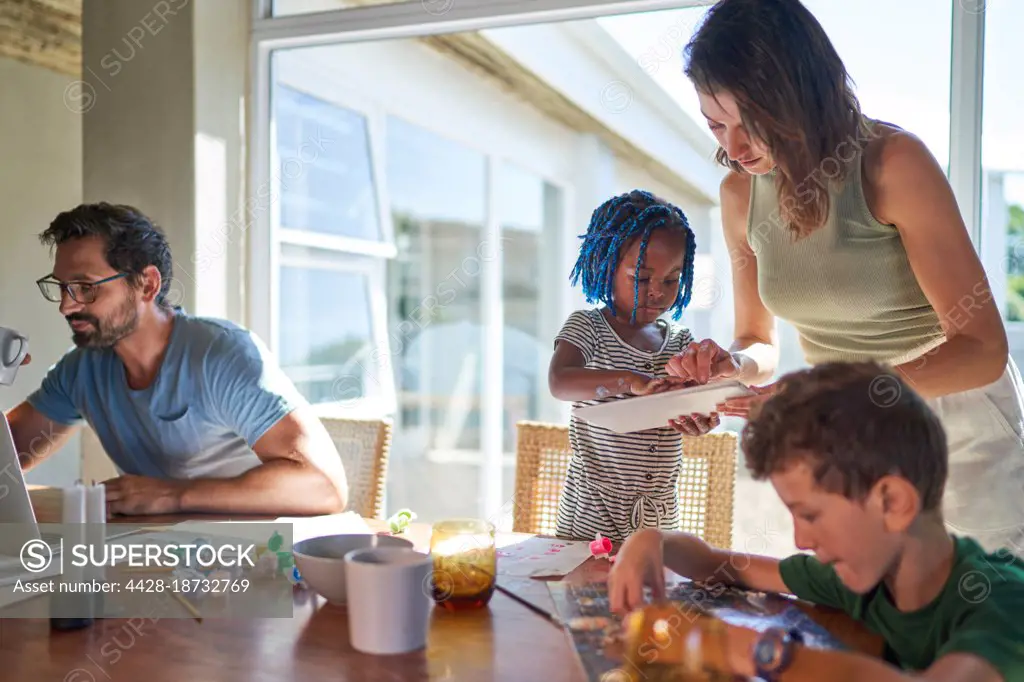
45	33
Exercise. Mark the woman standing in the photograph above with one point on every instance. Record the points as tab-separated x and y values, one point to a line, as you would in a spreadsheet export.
847	228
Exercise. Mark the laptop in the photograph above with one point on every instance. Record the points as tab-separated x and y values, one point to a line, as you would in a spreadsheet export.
17	518
18	523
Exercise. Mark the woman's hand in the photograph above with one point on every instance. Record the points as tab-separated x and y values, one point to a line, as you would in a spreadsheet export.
702	362
640	562
740	407
695	424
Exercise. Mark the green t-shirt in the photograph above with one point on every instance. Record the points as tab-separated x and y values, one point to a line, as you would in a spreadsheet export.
979	611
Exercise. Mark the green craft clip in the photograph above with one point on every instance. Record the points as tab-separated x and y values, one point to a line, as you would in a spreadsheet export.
400	520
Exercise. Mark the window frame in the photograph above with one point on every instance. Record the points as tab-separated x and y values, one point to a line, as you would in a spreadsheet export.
994	242
374	271
966	82
348	249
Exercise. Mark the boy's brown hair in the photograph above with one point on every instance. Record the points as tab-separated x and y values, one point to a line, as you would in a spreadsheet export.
852	423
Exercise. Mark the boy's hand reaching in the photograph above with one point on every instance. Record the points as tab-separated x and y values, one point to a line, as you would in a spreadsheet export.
639	562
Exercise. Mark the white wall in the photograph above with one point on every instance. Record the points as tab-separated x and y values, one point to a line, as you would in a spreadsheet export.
220	44
163	123
696	209
138	121
585	64
41	175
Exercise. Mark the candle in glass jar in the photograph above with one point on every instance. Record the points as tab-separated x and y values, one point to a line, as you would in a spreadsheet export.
465	563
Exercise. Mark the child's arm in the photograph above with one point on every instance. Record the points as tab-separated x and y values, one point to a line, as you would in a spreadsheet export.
645	555
569	379
730	649
691	557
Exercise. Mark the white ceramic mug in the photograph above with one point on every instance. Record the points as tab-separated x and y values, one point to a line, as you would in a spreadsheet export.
13	349
389	601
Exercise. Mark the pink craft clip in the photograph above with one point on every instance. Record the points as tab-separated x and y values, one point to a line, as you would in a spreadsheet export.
601	548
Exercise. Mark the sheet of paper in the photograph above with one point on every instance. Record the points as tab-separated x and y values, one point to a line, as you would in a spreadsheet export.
331	524
258	532
253	531
232	542
537	557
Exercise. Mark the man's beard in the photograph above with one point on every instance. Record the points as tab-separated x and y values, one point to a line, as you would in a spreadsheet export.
106	333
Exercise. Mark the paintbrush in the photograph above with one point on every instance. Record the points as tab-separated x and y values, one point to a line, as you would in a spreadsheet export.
550	617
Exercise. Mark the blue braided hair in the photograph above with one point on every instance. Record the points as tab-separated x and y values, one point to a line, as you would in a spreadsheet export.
614	224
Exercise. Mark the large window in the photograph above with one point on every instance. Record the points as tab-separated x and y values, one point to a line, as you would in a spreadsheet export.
530	214
437	191
408	259
330	316
427	190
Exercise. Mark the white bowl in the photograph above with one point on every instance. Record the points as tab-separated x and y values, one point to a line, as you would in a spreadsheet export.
321	561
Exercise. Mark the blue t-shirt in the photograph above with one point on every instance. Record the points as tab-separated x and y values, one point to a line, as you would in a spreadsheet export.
216	394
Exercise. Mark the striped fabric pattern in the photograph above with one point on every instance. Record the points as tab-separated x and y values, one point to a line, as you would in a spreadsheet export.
618	483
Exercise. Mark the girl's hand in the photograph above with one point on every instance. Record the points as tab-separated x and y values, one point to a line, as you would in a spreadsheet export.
695	424
702	362
740	407
645	385
639	562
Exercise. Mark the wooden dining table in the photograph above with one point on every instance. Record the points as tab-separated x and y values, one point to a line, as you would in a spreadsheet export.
503	642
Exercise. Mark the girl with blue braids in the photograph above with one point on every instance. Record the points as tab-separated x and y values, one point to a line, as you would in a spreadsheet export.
636	261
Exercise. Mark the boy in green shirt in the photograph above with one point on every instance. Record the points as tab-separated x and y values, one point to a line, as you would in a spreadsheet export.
863	479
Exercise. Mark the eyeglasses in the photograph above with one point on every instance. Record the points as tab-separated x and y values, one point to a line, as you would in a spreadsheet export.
80	292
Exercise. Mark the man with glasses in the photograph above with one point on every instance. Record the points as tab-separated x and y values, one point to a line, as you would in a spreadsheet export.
194	412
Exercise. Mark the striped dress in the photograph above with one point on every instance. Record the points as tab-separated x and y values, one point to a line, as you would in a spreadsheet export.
619	483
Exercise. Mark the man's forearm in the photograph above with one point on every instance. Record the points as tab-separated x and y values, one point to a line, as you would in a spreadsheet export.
279	487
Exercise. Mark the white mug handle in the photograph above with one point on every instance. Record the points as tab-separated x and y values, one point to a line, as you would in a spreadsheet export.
18	357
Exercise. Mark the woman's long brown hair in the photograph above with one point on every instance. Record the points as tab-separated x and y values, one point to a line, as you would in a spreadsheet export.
794	94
